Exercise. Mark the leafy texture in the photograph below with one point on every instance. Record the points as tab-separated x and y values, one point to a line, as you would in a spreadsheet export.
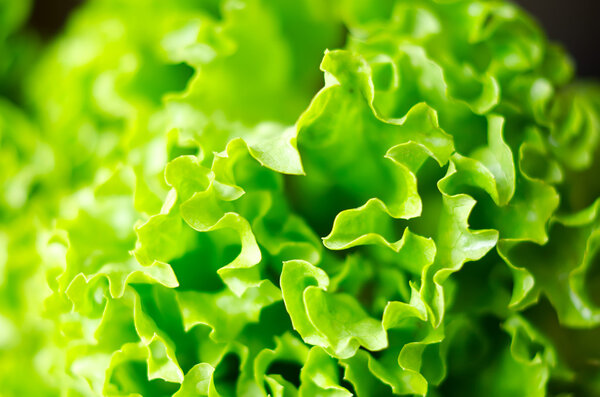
303	198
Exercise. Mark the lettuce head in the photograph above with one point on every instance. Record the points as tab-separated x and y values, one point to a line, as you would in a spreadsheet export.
296	198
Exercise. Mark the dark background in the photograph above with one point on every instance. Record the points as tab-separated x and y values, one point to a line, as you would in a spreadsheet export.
575	23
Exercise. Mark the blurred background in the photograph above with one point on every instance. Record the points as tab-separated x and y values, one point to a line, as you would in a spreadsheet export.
575	23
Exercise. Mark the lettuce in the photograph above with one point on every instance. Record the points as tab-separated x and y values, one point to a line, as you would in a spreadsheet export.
255	198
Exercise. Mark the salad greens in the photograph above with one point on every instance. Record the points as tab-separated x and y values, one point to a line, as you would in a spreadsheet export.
296	198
